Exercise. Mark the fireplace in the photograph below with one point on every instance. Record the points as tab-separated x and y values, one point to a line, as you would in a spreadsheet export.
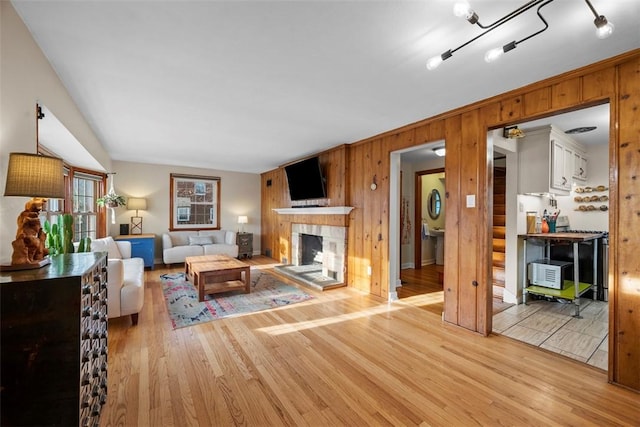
310	249
318	254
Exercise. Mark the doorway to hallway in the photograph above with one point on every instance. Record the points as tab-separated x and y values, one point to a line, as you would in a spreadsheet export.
404	229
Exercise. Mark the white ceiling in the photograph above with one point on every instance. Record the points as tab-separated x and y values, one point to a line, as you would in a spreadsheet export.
250	85
52	134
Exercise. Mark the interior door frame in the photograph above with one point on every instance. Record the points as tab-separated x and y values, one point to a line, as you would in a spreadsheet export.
417	215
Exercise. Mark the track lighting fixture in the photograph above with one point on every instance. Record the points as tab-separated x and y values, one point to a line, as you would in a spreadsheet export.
462	9
494	54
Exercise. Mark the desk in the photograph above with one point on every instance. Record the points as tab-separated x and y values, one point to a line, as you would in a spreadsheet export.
574	290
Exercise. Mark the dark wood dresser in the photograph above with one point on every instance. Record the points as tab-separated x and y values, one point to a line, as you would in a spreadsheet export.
54	342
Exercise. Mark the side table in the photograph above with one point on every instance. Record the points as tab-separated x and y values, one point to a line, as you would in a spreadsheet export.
245	244
142	246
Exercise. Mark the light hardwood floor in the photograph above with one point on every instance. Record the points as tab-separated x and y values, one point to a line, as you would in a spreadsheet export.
343	358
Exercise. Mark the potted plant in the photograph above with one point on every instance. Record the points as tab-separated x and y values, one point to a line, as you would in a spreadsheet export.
111	200
60	236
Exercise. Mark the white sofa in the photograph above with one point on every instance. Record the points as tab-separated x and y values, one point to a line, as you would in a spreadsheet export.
177	245
125	280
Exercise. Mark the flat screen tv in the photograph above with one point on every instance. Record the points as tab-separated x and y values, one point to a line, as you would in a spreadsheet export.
306	180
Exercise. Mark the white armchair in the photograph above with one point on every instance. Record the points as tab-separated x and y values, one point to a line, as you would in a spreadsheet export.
125	280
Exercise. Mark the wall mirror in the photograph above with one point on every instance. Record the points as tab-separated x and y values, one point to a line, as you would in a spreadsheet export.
434	204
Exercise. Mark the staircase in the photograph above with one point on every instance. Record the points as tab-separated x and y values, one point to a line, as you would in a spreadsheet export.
499	230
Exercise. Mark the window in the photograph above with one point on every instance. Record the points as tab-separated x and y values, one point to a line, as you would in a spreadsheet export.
83	187
54	207
86	189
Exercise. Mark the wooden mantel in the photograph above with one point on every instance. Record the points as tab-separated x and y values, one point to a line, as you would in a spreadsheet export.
327	210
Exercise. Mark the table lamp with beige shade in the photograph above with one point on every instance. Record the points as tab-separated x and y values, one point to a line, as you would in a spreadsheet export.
242	220
41	178
136	204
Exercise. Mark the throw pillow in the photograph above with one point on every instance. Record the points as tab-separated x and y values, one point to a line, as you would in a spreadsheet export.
106	244
114	251
200	240
217	236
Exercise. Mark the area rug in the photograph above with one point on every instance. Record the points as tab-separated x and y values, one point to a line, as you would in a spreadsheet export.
185	309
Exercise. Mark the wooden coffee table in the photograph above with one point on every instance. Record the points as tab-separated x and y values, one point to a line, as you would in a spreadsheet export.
211	277
190	260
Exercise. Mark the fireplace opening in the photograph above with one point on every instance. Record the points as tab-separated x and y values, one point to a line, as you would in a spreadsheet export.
318	255
310	249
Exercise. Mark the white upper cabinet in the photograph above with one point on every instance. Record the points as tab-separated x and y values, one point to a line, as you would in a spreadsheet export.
547	161
580	165
562	169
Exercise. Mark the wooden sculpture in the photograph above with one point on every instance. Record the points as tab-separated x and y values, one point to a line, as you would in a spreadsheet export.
29	247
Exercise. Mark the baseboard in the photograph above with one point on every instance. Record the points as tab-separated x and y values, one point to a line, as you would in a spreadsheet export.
408	265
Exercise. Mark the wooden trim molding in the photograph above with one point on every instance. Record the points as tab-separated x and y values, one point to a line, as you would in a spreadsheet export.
328	210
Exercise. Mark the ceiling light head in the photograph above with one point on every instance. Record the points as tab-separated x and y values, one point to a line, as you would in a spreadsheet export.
472	17
493	54
434	62
440	151
604	28
461	9
496	53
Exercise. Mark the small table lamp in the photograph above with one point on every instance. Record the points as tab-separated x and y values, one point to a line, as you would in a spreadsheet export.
242	220
38	177
136	203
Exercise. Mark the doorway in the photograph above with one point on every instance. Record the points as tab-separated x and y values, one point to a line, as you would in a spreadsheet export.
429	218
499	229
547	322
412	278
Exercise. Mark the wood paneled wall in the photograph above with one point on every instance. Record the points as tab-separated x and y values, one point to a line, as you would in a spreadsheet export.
469	167
276	228
624	315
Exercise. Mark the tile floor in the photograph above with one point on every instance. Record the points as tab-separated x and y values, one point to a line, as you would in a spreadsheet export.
550	325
